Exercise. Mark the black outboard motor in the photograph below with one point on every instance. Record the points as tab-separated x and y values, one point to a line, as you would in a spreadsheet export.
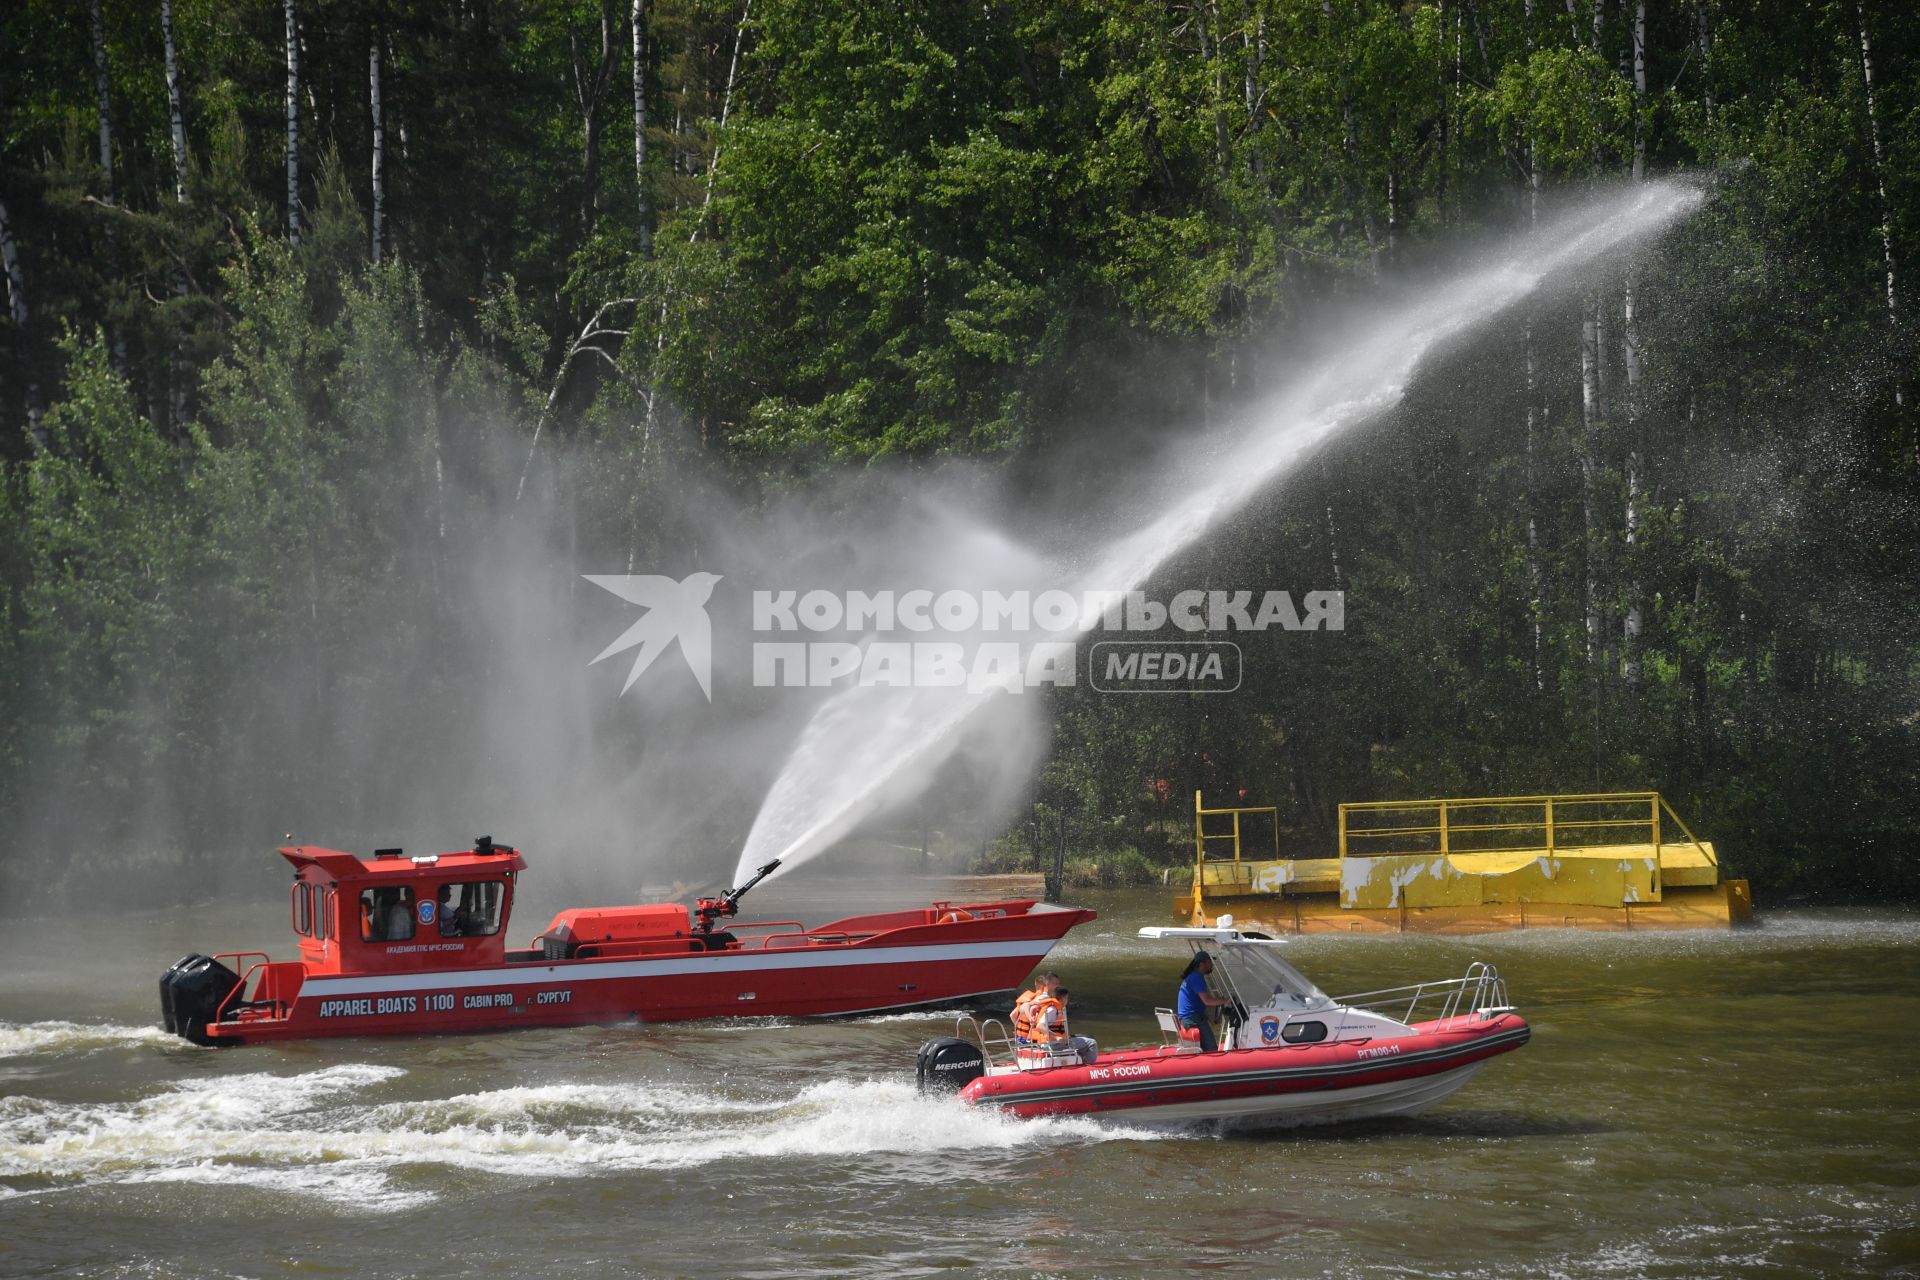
191	993
948	1064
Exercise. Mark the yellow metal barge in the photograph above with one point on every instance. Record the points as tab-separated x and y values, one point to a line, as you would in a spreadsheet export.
1619	860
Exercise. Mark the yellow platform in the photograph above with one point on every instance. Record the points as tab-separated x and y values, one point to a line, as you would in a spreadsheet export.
1614	861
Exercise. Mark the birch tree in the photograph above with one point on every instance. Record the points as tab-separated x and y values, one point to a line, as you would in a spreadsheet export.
643	195
176	119
379	175
1630	352
17	309
1880	187
590	89
104	109
293	123
104	101
1536	417
1703	46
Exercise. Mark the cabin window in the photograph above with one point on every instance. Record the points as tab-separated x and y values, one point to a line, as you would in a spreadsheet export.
386	914
303	909
1304	1032
469	909
323	916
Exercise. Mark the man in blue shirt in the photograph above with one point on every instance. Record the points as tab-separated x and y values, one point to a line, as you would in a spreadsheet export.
1195	1000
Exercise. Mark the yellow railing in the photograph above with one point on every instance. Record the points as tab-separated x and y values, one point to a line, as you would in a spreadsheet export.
1559	822
1201	835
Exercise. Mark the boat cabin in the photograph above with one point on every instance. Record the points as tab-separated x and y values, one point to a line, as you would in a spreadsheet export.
393	912
1272	1003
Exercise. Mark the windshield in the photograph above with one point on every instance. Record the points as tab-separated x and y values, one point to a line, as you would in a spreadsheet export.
1257	974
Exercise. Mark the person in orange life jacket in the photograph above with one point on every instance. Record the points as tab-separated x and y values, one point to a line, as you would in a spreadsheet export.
1196	1001
1049	1014
1022	1019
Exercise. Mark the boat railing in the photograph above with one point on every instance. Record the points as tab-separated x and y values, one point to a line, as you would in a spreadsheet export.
248	976
1494	824
775	941
788	933
991	1035
783	926
1480	988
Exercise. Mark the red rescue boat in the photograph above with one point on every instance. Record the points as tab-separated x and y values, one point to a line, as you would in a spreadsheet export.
1292	1054
393	944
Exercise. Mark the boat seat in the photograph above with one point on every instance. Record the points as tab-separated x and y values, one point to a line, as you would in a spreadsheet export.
1037	1058
1175	1035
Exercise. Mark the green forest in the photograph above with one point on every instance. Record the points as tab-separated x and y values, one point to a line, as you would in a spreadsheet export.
318	309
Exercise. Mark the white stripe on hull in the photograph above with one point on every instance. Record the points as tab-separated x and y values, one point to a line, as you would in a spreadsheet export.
536	974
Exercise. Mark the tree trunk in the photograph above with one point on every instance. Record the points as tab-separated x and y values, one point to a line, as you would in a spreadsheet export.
666	295
104	109
1536	414
16	280
379	144
1704	38
726	105
177	375
640	127
1442	128
1393	203
590	88
1533	169
1214	55
1256	53
1333	529
1536	578
1639	86
105	103
293	123
1590	422
17	309
1459	78
1630	634
176	119
1630	631
1352	186
1880	184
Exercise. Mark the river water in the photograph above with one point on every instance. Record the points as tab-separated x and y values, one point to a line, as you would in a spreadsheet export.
1691	1105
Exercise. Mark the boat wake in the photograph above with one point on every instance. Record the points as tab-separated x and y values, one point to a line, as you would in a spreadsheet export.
319	1135
20	1039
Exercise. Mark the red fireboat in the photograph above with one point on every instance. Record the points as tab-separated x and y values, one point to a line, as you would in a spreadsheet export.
393	944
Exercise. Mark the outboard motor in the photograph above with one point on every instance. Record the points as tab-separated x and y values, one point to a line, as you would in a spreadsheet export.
948	1064
191	993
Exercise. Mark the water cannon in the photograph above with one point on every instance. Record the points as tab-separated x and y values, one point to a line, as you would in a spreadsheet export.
708	910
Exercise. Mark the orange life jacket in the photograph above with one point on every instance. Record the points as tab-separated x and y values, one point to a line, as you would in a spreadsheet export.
1043	1032
1022	1019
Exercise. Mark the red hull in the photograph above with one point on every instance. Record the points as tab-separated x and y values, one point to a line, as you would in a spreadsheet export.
1146	1082
864	964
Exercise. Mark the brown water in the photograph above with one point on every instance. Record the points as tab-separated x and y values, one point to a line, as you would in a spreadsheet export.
1691	1105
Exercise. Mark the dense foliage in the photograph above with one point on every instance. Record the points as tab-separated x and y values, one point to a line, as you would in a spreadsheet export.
251	460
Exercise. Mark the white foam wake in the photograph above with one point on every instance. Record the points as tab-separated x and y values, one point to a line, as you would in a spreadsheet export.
314	1136
20	1039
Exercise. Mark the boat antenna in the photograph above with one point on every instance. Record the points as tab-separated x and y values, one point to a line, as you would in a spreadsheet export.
708	910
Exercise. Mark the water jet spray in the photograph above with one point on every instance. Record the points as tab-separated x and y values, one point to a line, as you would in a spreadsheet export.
864	742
